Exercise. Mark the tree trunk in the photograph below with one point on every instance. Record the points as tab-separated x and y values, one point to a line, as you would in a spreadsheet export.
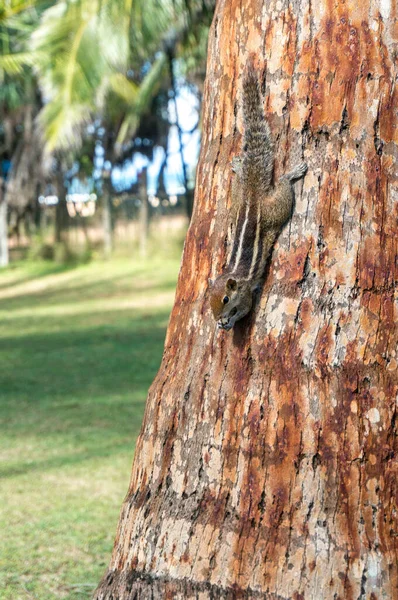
27	169
189	199
61	211
267	462
144	212
188	193
107	217
3	227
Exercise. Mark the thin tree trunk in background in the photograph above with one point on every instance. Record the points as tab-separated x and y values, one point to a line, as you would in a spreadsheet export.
4	258
188	193
144	212
28	223
61	221
107	207
107	217
43	221
189	199
61	211
37	212
267	464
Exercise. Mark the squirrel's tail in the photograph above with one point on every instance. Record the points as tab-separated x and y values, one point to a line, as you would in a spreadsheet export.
258	156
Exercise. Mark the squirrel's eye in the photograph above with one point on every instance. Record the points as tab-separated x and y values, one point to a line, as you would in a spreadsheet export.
225	300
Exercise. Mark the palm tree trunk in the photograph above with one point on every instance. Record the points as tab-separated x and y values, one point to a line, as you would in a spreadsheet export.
107	206
61	211
188	193
3	227
267	461
144	213
107	218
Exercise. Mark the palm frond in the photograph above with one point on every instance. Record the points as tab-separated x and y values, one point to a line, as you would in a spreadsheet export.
62	125
146	91
70	71
13	64
11	8
124	88
92	54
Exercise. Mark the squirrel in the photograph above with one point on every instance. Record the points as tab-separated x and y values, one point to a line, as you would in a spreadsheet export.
259	210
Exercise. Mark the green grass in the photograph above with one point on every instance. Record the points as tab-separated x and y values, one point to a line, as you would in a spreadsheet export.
79	348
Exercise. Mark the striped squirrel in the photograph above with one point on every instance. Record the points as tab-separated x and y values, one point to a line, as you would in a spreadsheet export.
259	210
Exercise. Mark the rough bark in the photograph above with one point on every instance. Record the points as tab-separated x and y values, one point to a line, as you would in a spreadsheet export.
267	461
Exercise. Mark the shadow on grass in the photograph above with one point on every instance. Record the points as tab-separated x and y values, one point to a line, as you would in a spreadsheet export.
104	287
77	394
66	460
38	271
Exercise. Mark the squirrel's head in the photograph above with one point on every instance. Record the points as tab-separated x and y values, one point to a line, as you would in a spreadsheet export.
230	300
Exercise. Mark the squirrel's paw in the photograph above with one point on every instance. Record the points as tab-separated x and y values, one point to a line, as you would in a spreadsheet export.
302	169
298	172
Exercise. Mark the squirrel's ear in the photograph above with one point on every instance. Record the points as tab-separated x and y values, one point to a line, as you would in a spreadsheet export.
211	281
231	284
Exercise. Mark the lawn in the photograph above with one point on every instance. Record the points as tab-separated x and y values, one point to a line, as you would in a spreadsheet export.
79	348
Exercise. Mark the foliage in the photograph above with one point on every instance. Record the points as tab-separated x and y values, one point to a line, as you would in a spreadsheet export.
105	60
86	75
95	59
17	21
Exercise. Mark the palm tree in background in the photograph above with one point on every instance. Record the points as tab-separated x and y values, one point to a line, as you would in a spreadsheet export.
99	63
92	53
20	156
